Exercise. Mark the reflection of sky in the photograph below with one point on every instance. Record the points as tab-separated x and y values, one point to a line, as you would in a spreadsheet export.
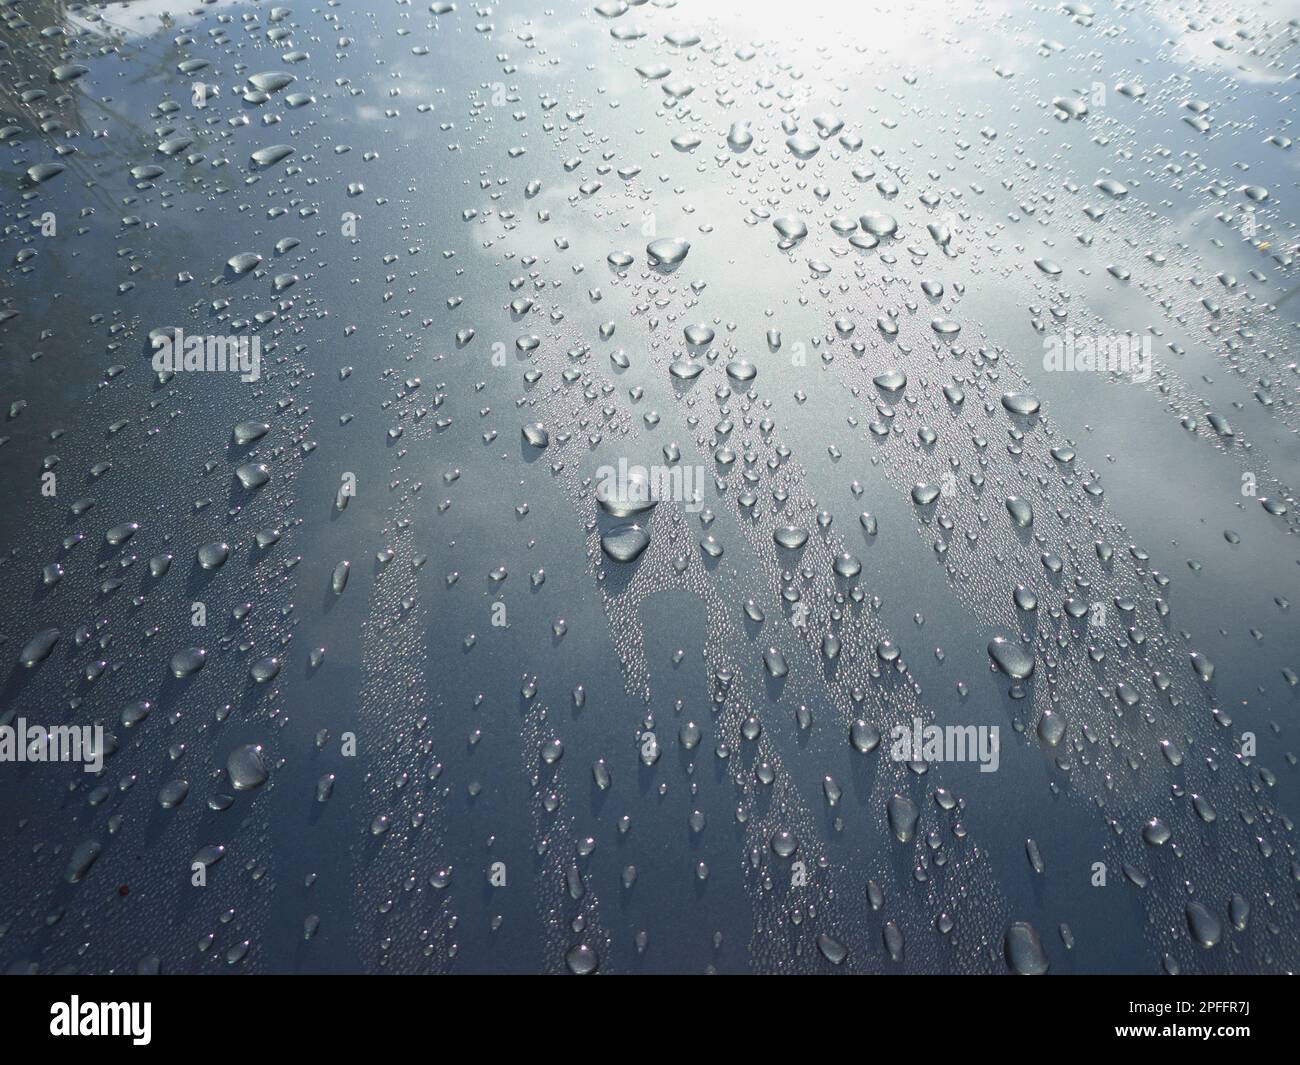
819	57
140	18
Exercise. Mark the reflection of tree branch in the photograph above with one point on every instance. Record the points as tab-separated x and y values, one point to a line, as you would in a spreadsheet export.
143	136
40	63
144	139
27	64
